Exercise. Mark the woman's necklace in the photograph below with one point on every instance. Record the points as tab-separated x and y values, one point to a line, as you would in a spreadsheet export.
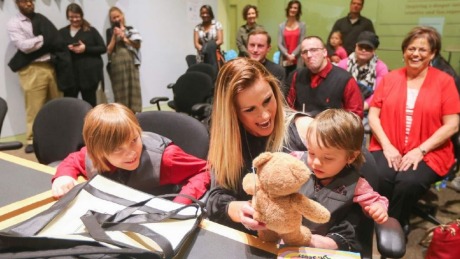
249	151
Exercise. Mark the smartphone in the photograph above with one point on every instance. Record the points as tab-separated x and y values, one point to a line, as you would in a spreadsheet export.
76	44
116	24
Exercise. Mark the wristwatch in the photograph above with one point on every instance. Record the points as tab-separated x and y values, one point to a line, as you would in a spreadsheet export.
422	150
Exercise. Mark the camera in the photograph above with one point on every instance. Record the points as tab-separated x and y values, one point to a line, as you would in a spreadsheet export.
116	24
76	44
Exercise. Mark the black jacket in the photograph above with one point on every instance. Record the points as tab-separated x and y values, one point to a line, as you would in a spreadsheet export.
87	66
53	44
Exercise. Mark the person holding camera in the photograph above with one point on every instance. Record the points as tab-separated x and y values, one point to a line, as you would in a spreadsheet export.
123	49
86	46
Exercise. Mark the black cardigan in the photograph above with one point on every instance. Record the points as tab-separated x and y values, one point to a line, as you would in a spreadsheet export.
87	66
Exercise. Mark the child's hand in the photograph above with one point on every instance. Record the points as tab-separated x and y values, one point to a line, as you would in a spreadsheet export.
62	185
378	212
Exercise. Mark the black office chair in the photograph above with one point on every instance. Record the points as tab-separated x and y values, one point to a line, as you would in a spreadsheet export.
185	131
428	211
191	60
58	129
6	145
192	95
390	237
204	68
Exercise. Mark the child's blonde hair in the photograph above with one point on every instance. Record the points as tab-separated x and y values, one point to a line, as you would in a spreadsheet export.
106	127
339	129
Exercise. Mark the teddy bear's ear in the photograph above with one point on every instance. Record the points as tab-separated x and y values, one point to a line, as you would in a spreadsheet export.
262	159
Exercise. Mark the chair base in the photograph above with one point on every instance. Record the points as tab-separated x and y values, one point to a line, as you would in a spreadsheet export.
427	212
10	145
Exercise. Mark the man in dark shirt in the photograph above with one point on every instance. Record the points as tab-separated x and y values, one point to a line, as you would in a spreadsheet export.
321	85
351	26
258	47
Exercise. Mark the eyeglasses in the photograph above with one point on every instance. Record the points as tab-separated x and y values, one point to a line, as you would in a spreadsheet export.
365	48
421	51
75	17
25	1
312	51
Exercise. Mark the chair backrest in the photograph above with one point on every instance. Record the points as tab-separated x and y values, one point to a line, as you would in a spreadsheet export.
204	68
186	132
3	110
190	59
191	88
58	127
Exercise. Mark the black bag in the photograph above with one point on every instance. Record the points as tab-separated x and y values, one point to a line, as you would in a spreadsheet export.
366	91
94	221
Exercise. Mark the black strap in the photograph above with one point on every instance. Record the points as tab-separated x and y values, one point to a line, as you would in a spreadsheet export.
123	220
82	250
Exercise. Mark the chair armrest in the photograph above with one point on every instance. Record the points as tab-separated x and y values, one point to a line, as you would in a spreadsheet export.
201	110
157	100
391	241
10	145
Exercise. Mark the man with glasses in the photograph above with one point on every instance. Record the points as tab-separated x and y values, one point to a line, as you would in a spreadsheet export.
352	25
320	85
34	36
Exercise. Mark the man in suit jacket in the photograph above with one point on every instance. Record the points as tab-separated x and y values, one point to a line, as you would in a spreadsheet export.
33	35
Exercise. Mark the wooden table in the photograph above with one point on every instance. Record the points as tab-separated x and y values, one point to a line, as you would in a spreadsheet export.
212	240
25	185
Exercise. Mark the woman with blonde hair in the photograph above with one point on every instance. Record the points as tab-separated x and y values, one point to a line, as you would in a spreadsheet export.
117	148
123	50
249	117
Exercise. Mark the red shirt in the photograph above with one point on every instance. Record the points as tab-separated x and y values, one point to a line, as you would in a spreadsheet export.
177	167
291	38
352	99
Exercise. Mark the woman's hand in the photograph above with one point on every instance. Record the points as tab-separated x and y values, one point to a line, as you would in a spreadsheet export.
393	157
242	211
62	185
412	158
291	57
246	217
78	48
120	32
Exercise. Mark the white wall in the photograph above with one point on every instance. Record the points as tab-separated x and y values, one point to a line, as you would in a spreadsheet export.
165	26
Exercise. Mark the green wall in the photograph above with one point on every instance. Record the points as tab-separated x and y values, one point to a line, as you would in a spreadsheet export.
392	20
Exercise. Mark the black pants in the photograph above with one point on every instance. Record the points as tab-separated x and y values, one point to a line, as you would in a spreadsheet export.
87	95
403	188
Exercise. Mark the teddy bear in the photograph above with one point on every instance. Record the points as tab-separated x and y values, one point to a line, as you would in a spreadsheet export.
276	201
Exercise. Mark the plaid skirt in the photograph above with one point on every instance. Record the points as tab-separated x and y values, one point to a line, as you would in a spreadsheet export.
124	76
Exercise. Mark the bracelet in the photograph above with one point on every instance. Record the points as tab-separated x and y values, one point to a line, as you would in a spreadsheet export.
422	150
